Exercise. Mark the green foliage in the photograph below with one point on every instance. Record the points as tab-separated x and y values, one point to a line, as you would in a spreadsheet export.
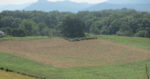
30	27
9	21
18	32
116	22
80	39
72	27
122	22
96	26
141	33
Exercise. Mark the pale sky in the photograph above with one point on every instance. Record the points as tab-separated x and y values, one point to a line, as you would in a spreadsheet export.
8	2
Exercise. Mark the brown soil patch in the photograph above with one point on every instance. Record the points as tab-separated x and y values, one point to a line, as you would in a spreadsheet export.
61	53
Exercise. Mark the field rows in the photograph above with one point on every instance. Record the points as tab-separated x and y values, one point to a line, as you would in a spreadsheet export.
57	58
64	54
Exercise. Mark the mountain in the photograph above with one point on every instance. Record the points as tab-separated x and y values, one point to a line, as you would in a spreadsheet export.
68	6
63	6
139	5
13	7
129	1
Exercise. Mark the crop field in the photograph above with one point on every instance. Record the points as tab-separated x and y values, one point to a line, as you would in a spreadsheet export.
63	54
56	58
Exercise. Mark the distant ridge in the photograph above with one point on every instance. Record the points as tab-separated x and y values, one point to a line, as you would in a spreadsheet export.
139	5
129	1
63	6
68	6
105	6
13	7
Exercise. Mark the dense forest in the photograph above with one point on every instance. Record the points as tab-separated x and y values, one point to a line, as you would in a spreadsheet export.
122	22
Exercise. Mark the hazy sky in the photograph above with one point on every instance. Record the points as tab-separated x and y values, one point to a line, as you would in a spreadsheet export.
8	2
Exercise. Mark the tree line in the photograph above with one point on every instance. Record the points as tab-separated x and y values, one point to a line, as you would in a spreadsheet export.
124	22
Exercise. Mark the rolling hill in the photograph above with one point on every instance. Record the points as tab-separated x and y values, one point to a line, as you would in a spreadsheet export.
117	60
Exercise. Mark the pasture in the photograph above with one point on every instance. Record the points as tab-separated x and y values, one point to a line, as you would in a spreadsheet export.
130	41
64	54
56	58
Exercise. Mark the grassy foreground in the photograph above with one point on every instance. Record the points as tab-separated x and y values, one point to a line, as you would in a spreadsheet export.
126	71
11	75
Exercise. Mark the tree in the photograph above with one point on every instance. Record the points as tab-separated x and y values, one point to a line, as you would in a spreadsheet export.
9	21
18	32
147	34
111	22
125	30
30	27
141	33
44	30
96	27
72	27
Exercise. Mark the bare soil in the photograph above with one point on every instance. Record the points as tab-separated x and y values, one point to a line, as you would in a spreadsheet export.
64	54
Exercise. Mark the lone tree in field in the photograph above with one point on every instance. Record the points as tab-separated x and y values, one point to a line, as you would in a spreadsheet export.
72	27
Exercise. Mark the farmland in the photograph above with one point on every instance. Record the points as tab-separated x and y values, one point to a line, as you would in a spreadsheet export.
64	54
55	58
91	44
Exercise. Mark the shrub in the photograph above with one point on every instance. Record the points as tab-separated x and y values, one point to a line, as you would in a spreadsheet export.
124	33
141	33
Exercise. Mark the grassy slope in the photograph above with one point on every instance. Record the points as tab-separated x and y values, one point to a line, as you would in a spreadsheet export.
131	41
11	75
127	71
